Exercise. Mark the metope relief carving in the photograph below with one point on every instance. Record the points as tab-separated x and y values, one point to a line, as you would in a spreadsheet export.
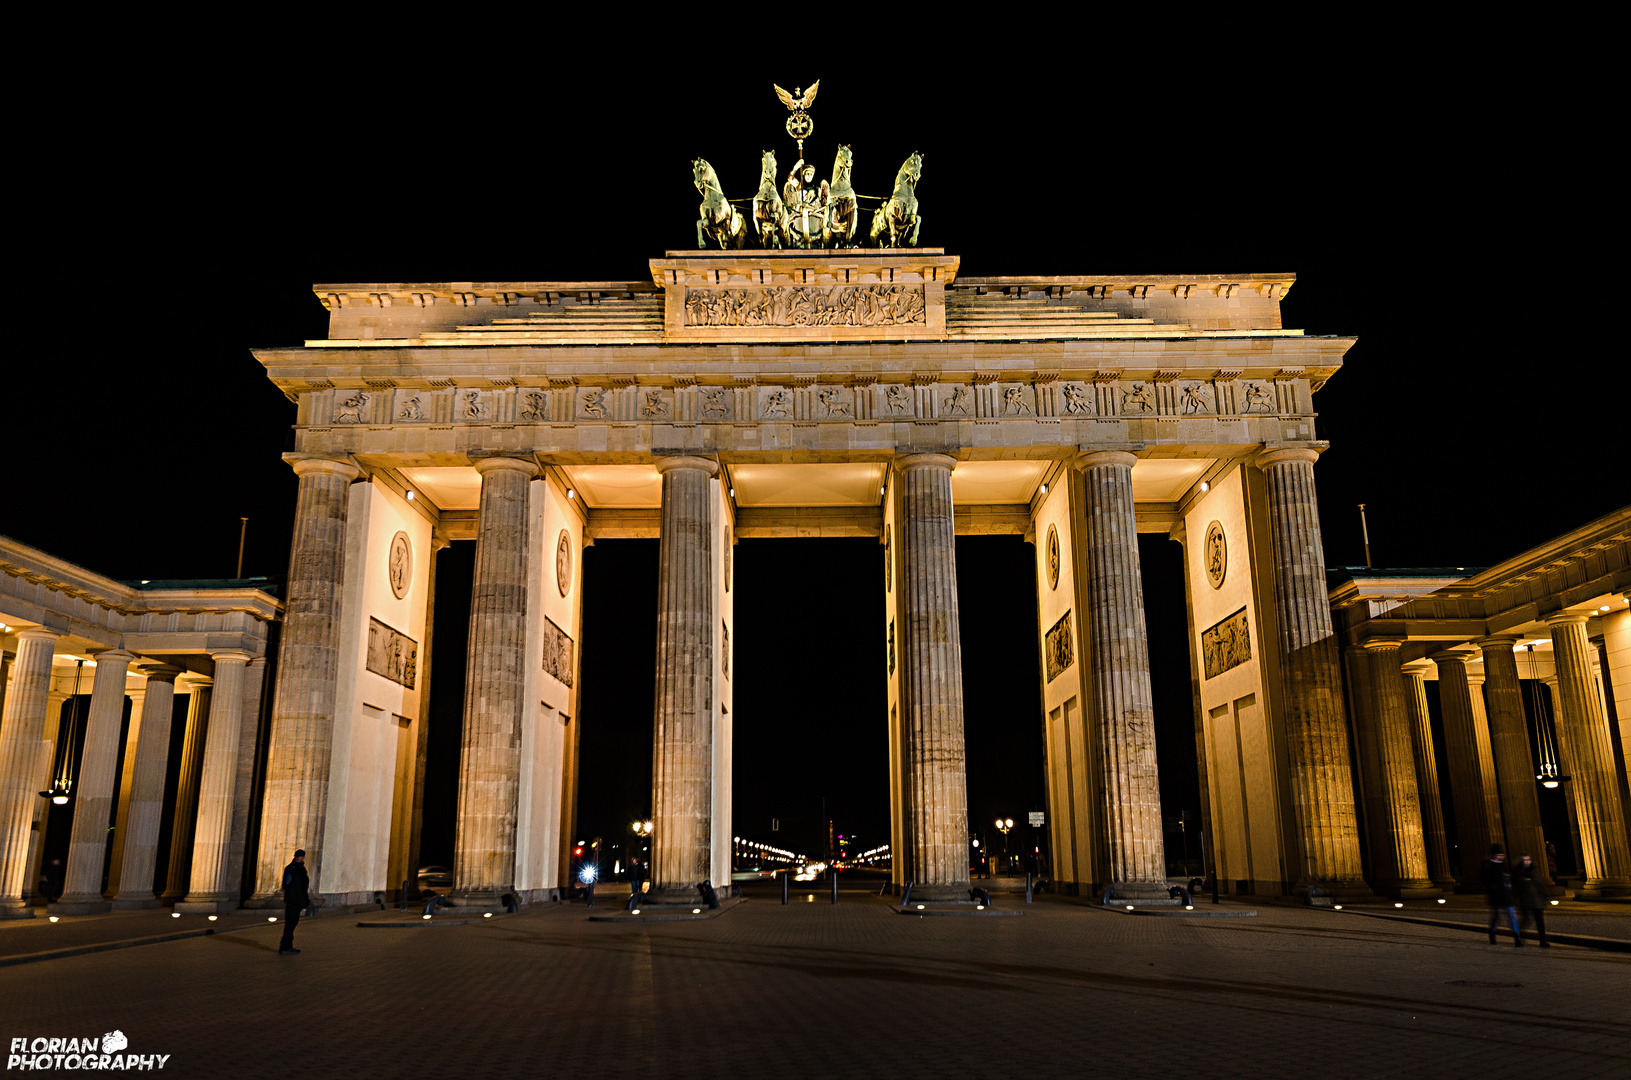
1078	399
557	653
1013	401
352	410
412	409
594	404
392	654
399	565
1216	552
1259	398
777	403
715	403
472	407
1061	653
534	405
653	404
839	305
1138	398
1226	645
832	399
1195	398
898	398
958	402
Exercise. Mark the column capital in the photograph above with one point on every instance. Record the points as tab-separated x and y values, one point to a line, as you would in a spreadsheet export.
525	465
1091	458
304	464
1418	669
1281	454
162	672
1376	644
1497	641
113	656
1567	618
1450	656
240	656
686	461
36	633
925	461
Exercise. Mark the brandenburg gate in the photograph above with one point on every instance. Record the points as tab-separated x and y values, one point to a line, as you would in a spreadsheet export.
793	392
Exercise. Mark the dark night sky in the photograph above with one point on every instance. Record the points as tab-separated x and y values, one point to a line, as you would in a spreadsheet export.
1420	214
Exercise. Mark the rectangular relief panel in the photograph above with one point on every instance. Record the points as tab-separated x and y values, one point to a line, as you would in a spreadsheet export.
1226	644
392	654
557	653
1061	652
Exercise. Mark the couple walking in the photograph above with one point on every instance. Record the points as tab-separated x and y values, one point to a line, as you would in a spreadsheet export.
1511	888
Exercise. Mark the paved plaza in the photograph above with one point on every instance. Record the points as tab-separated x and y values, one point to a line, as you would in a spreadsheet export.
855	989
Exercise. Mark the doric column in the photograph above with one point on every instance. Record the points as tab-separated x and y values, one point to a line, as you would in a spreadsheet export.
1471	766
682	738
21	733
931	650
495	671
302	735
1408	876
1588	758
1317	738
184	821
1123	706
93	793
56	698
121	815
210	890
146	807
1514	765
1371	791
1432	809
243	787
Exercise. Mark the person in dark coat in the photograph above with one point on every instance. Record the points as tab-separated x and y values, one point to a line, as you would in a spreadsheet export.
1531	898
296	895
1497	877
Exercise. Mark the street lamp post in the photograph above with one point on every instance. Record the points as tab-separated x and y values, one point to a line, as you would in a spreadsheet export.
1003	825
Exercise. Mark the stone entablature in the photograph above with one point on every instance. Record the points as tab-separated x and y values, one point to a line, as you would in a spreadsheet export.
800	295
40	589
1586	565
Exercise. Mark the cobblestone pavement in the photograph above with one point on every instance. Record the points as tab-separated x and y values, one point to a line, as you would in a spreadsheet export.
816	990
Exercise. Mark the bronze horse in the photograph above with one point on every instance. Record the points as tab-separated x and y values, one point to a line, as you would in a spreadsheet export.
892	220
843	213
717	219
769	212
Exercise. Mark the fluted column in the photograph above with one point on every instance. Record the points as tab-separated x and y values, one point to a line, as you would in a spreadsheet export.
55	700
1588	758
121	814
93	792
243	788
211	891
931	650
22	731
1321	781
682	730
139	849
1471	766
1514	764
1432	808
1398	768
495	672
1123	704
184	821
302	737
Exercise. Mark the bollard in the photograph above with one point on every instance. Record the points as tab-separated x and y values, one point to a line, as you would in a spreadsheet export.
1027	886
405	883
784	888
833	875
589	894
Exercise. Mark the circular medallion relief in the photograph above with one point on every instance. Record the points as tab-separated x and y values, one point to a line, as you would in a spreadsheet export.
1053	557
400	565
563	562
888	558
1217	555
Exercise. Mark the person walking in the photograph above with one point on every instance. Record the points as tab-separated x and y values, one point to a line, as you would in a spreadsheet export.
1497	877
1531	898
296	895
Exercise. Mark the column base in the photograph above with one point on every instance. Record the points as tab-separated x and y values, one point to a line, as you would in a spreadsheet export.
479	900
1346	892
1603	890
1137	890
953	891
207	907
678	895
135	903
1415	891
16	908
78	905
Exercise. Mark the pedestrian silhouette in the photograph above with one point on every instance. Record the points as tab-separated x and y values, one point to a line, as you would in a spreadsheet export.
1497	876
1530	897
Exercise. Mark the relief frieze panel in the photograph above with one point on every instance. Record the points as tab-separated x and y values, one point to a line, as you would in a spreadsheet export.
557	653
1060	650
837	305
392	654
1226	644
